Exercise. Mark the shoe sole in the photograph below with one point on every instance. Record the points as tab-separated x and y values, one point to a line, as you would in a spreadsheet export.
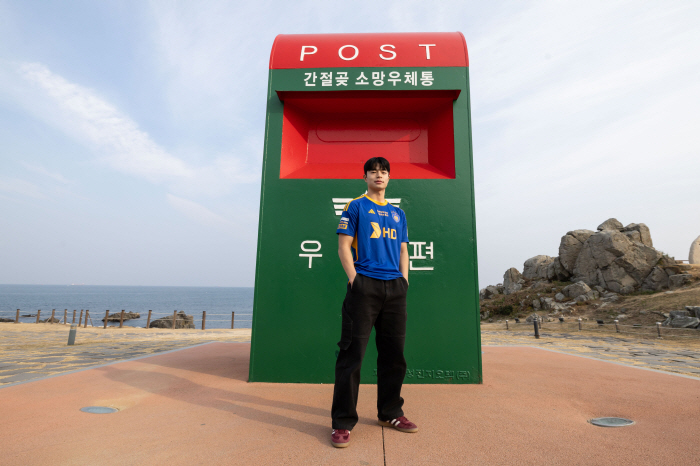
389	424
340	445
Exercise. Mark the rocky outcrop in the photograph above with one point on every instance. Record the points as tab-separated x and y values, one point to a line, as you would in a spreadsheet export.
610	259
694	310
536	267
685	322
512	281
5	319
488	292
656	280
127	316
183	321
51	320
694	255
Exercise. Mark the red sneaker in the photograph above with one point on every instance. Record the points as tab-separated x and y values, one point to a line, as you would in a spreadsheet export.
340	438
401	423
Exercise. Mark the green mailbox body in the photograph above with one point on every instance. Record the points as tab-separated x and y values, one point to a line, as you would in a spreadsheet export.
334	101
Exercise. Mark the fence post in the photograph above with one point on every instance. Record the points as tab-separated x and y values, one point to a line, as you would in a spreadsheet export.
233	316
106	318
53	313
121	319
148	321
537	329
204	320
73	317
617	329
17	317
174	318
87	313
579	324
65	316
658	328
506	324
71	335
80	320
38	314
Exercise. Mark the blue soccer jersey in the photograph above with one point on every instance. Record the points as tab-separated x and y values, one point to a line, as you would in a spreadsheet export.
378	231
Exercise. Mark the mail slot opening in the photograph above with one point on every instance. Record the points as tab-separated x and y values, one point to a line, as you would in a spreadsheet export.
328	134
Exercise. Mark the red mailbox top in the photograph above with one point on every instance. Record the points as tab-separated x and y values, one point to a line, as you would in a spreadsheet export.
369	50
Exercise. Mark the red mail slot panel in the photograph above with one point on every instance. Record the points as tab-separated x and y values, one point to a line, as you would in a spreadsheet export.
423	49
330	134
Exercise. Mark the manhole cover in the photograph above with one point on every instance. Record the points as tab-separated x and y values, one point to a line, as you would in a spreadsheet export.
611	422
98	410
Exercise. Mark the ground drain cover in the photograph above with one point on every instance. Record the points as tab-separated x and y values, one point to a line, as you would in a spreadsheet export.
611	422
98	410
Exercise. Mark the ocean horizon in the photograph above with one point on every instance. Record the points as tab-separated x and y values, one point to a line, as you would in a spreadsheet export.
218	302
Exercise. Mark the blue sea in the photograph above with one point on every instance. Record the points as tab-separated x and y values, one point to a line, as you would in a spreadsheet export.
219	302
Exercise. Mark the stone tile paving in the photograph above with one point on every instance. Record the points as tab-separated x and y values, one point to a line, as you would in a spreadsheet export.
682	357
30	351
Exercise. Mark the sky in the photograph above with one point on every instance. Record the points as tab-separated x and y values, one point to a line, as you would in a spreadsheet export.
131	132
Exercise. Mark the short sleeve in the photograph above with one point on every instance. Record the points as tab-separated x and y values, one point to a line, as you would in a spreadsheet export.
349	218
404	228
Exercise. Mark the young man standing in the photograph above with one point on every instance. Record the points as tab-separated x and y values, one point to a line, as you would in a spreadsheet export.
373	249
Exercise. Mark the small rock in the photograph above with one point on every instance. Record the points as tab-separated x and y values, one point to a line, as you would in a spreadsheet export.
621	316
576	289
643	313
127	316
559	297
536	304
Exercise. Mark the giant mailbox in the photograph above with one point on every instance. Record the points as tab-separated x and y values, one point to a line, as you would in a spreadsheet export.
334	101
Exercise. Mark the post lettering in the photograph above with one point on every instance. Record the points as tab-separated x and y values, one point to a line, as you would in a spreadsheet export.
340	52
427	49
304	52
387	51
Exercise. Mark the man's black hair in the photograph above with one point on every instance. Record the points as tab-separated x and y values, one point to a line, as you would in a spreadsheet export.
377	163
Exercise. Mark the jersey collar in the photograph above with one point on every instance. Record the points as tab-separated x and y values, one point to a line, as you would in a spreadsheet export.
370	199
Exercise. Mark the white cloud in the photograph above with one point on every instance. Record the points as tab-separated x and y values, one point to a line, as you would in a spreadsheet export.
22	188
43	171
197	212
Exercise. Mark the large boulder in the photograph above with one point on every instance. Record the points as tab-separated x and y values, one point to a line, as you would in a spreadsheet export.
512	281
556	271
576	289
488	292
693	310
678	280
183	321
536	267
639	232
570	247
610	259
611	224
694	256
685	322
656	280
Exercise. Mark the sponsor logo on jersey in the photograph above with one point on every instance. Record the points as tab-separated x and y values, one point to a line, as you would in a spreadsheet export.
377	231
371	211
343	226
382	213
396	217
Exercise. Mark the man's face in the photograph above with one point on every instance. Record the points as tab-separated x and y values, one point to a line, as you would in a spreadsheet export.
377	178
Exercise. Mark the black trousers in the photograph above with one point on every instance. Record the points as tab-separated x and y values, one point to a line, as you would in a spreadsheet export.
382	304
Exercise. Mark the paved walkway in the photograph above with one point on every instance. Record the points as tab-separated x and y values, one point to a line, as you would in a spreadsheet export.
31	351
194	406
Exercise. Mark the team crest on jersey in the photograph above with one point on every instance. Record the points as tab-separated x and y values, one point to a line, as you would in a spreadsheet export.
396	217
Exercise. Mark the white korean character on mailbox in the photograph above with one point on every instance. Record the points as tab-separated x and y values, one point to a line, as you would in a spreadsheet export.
411	77
394	77
310	79
418	254
361	80
327	79
378	77
310	247
426	78
341	78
